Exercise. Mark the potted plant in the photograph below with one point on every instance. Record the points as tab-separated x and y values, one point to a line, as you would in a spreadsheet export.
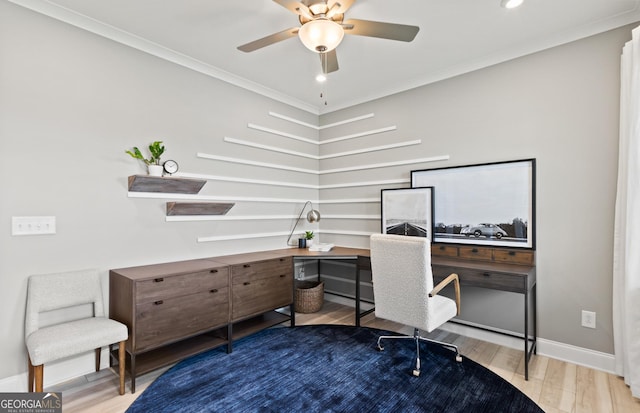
156	149
308	236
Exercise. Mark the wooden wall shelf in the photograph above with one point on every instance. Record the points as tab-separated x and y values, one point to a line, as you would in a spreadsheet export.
198	208
146	183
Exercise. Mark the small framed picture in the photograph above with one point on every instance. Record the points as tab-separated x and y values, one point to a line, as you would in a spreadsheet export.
408	211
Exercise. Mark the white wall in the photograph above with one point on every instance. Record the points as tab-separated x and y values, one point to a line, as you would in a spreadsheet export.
559	106
70	104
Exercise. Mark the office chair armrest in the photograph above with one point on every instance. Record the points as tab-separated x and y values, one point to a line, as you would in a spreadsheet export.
456	285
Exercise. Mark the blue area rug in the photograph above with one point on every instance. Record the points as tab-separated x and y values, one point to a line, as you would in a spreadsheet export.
328	368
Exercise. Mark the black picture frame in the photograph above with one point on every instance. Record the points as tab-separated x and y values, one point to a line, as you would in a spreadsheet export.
407	211
490	204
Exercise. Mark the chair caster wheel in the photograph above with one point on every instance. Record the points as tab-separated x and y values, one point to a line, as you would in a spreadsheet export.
458	358
416	373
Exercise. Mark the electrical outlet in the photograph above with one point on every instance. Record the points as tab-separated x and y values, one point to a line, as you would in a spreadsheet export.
588	319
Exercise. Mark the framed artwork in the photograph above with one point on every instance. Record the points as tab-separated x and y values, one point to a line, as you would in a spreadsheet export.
489	204
408	211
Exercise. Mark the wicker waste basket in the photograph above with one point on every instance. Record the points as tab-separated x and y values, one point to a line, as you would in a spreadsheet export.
309	296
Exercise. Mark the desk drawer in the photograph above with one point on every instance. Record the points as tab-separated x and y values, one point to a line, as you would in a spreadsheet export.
444	250
177	285
254	271
475	253
172	319
483	278
257	295
513	257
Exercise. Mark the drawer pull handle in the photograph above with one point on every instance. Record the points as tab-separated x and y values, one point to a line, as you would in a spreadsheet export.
282	259
475	250
486	274
246	283
215	290
442	248
247	265
158	280
159	302
282	275
213	271
512	253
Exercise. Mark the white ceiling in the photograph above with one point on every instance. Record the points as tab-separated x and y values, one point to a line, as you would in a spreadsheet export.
456	36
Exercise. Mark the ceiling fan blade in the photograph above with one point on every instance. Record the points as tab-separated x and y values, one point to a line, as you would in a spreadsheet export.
268	40
392	31
338	7
329	61
296	7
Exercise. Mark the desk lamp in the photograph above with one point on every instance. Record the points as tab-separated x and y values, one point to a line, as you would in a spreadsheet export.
312	216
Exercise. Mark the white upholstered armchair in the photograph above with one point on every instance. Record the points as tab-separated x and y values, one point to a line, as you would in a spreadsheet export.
403	288
50	292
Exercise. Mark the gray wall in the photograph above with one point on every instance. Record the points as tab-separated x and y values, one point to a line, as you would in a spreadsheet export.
72	102
560	106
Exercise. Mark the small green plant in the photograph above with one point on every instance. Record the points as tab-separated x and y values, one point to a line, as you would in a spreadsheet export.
308	235
155	148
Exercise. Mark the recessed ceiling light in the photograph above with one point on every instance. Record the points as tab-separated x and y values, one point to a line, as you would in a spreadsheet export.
321	78
511	4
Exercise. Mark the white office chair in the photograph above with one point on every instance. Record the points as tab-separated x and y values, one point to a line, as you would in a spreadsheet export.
403	289
50	292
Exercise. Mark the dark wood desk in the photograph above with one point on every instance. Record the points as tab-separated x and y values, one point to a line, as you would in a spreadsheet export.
497	269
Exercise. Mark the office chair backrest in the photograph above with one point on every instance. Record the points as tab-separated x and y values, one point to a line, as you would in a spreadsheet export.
62	290
402	279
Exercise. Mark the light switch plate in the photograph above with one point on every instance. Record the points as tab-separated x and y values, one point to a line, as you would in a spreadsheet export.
33	225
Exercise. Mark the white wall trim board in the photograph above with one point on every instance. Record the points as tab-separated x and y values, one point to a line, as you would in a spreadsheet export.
344	122
385	164
245	180
321	157
343	232
322	172
342	216
358	135
189	218
330	125
231	198
282	133
244	236
291	184
270	148
349	201
255	163
577	355
371	149
128	39
367	183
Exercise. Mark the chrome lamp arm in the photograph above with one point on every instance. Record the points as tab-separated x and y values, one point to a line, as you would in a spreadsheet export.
312	216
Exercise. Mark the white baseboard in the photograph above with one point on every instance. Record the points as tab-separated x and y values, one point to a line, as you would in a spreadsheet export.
560	351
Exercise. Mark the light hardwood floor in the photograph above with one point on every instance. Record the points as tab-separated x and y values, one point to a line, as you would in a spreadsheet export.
555	385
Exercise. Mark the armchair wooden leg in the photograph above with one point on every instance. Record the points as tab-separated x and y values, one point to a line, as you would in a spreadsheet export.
121	365
30	375
38	371
98	353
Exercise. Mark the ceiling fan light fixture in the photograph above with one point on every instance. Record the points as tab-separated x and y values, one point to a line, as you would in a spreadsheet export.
321	35
511	4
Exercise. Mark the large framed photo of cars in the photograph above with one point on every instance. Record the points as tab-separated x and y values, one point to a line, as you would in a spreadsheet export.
490	204
407	211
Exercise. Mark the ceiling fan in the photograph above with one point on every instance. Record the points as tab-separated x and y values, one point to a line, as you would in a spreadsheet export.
323	27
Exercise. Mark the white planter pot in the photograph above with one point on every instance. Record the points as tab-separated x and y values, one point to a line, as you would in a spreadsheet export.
309	243
155	170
